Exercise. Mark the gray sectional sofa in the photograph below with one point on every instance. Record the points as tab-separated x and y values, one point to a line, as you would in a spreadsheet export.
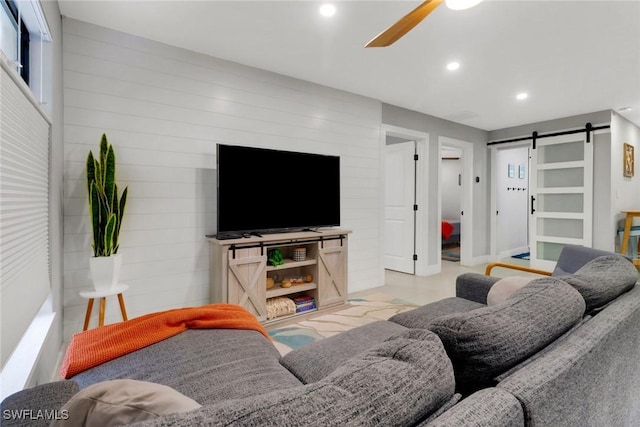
560	351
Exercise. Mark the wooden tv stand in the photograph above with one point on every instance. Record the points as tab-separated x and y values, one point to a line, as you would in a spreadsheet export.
239	269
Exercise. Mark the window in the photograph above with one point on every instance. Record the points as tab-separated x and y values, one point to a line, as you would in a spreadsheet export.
15	38
24	40
26	309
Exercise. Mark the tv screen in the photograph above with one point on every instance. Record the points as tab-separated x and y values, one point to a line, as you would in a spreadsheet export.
263	190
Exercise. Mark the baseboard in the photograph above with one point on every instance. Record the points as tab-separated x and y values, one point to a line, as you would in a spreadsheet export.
483	259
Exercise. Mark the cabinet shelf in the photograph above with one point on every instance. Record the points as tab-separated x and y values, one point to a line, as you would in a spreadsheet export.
289	263
279	291
289	316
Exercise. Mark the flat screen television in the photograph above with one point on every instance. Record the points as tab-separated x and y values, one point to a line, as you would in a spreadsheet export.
262	190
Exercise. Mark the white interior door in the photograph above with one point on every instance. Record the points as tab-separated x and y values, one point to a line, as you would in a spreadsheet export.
399	201
561	206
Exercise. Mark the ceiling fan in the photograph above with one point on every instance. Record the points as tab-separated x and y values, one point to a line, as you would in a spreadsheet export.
413	18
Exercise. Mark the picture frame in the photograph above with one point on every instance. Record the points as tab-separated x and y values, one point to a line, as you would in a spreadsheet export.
628	160
511	171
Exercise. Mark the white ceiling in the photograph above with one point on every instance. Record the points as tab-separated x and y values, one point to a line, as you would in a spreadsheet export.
572	57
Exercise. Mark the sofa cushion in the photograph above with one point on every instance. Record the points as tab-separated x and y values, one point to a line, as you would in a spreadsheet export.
207	365
485	342
317	360
121	402
489	407
47	397
603	279
421	317
505	287
398	382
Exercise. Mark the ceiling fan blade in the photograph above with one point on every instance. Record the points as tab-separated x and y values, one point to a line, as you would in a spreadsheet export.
404	25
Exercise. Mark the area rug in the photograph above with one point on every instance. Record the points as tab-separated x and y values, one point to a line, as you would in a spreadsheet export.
451	253
360	311
524	255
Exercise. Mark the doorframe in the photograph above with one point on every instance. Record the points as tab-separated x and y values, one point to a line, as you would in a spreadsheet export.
466	220
421	230
493	218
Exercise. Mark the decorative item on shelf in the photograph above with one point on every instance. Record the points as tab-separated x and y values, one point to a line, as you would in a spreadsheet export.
296	280
275	257
304	303
106	211
280	306
270	282
299	254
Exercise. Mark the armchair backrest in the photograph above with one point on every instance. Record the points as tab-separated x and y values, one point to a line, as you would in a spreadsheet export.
573	257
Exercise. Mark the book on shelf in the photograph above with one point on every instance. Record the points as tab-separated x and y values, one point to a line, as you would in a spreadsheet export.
300	309
304	303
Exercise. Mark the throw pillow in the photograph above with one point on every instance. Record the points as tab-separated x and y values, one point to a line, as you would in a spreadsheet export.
505	287
603	279
485	342
119	402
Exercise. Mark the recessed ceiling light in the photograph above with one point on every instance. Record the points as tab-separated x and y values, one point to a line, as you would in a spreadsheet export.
461	4
327	10
522	95
452	66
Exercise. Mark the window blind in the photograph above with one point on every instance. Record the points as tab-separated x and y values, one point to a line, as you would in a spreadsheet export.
24	208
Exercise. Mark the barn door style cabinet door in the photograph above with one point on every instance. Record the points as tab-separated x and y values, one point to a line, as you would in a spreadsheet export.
246	280
240	271
332	273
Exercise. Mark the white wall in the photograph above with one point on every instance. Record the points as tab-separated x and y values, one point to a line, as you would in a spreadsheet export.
164	109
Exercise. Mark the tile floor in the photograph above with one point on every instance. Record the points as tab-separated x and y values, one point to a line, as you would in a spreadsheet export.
422	290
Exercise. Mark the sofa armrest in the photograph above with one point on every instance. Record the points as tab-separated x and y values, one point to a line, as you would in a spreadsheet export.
474	286
19	408
515	267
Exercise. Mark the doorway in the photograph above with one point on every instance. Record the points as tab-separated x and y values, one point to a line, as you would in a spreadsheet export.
451	206
455	198
510	200
404	200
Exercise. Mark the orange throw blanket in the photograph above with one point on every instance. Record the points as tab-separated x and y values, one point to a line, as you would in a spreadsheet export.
96	346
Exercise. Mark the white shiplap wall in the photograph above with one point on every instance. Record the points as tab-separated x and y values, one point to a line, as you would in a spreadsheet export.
164	109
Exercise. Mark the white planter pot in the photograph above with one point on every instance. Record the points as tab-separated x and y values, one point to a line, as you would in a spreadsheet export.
105	271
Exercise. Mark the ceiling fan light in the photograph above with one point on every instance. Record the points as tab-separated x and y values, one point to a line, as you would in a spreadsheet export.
461	4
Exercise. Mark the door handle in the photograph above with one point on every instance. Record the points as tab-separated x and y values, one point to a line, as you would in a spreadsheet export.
533	199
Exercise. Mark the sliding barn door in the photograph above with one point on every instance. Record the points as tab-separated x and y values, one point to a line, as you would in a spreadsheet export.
561	207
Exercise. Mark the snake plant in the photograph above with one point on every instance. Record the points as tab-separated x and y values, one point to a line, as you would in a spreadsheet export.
105	207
